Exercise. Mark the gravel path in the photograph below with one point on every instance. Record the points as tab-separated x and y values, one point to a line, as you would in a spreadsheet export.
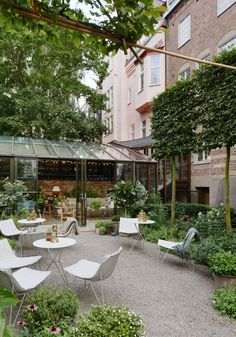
174	301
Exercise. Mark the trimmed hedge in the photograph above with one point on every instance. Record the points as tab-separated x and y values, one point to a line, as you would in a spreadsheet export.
188	209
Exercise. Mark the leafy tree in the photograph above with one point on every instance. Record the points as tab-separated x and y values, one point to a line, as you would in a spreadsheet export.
118	23
217	107
41	79
173	125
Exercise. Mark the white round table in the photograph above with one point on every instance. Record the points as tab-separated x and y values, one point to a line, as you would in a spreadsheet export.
57	248
31	225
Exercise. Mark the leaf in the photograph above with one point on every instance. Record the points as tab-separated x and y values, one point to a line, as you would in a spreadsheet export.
7	299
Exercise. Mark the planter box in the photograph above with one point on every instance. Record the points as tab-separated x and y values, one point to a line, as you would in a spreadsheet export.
223	280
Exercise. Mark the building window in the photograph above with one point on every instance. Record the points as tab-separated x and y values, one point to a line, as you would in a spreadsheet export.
222	5
109	124
144	128
141	77
228	45
155	69
132	131
184	31
184	75
109	96
129	95
202	156
206	58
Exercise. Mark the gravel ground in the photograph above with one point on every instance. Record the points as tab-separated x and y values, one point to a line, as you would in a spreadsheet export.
173	300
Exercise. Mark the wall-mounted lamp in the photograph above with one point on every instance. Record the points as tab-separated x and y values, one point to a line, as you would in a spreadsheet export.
56	190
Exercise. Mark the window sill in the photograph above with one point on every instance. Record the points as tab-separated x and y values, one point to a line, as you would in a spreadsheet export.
183	44
154	85
203	162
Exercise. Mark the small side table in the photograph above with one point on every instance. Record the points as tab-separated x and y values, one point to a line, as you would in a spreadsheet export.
47	209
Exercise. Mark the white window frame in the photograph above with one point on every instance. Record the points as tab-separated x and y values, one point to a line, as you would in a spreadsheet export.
228	44
184	31
155	69
109	96
185	74
141	77
144	128
223	5
132	131
129	95
206	157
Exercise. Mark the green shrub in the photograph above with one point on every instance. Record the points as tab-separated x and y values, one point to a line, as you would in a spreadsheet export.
188	209
95	205
92	193
98	224
50	307
224	300
115	217
102	230
204	249
109	321
223	263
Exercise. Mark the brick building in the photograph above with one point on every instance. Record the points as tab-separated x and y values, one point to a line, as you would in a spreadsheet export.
202	29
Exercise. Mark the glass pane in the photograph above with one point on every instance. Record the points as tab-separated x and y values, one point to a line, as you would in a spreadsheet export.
5	145
83	152
160	174
56	169
185	167
43	148
98	151
141	174
23	146
153	178
4	168
177	167
124	171
100	171
27	171
115	153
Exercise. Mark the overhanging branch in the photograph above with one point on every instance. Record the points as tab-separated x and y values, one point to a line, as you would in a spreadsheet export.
91	29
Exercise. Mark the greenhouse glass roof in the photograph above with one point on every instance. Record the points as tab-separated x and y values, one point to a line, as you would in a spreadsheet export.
56	149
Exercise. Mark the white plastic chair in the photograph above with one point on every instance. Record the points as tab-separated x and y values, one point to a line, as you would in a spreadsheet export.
20	282
129	226
182	249
92	271
9	260
8	228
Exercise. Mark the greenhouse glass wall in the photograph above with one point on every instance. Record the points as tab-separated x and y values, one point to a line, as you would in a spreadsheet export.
76	170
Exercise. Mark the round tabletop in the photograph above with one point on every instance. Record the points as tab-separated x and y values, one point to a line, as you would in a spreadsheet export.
62	243
31	222
147	222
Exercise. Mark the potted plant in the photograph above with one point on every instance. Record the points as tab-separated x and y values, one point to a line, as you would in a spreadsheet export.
223	266
95	205
102	230
98	224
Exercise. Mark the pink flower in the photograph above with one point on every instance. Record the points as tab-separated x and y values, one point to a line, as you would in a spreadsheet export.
55	330
32	307
20	323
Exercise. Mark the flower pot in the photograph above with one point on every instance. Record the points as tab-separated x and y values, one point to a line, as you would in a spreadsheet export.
223	280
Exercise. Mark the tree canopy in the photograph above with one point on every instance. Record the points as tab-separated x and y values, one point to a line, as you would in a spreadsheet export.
42	81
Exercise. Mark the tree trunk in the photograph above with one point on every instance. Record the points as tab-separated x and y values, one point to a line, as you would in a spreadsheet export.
227	190
173	197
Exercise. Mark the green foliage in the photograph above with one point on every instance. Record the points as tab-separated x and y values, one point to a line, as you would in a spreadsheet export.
95	205
127	194
211	223
7	299
41	197
102	230
224	300
92	193
158	210
49	307
213	244
12	192
223	263
112	321
39	76
189	210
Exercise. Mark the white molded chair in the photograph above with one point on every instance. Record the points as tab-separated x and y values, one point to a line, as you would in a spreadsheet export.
92	271
9	260
8	228
20	282
182	249
130	227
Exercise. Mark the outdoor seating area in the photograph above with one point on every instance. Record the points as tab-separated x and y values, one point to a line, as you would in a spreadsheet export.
99	270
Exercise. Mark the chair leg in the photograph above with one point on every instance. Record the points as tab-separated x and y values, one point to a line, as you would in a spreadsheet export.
18	310
95	293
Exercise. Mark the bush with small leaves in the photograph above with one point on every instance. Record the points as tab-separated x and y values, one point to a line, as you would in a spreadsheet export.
224	300
50	307
109	321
